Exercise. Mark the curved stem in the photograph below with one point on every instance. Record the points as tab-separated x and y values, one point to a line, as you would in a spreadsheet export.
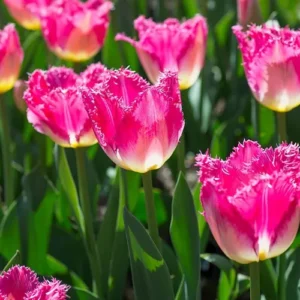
254	281
88	219
6	154
150	209
281	126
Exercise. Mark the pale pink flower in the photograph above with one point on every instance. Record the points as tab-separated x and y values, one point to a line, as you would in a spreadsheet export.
27	12
137	125
271	58
11	57
251	200
49	290
55	107
171	46
18	91
75	30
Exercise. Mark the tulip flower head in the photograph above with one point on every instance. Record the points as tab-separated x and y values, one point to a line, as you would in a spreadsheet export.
248	12
27	12
171	46
20	283
251	200
271	58
55	107
75	30
11	57
137	125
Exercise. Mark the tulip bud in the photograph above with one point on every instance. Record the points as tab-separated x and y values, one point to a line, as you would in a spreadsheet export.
171	46
19	89
137	125
251	200
27	12
55	107
248	12
271	59
75	30
11	57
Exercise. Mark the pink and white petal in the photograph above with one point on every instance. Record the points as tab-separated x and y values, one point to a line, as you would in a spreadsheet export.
232	233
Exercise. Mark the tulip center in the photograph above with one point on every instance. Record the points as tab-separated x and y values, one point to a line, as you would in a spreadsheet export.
263	247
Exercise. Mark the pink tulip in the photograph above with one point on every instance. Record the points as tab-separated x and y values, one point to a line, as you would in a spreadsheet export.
248	12
94	74
75	30
11	57
55	107
171	46
27	12
137	125
271	58
251	200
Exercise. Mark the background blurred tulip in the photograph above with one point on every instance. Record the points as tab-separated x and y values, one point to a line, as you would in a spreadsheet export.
75	30
11	57
171	46
19	89
55	107
137	125
248	12
21	283
271	61
27	12
251	200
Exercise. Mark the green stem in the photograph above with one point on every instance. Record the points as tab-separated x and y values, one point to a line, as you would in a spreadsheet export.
6	154
88	219
281	277
150	209
255	118
254	281
124	187
181	154
281	126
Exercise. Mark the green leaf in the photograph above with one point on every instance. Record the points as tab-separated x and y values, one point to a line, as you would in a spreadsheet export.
82	294
68	184
185	236
151	277
226	285
219	261
293	275
15	260
202	224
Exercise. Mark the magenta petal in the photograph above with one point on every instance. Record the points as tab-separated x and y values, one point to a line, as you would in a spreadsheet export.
94	74
18	281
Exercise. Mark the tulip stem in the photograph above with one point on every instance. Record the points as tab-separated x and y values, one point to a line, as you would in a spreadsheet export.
6	154
281	126
150	209
124	187
281	277
88	219
181	155
255	118
254	281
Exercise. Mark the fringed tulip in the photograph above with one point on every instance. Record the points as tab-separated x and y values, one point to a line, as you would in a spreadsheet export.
251	200
20	283
171	46
248	12
11	57
55	107
27	12
75	30
94	74
271	58
137	125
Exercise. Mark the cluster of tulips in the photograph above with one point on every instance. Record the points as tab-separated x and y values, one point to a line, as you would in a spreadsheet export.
250	200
